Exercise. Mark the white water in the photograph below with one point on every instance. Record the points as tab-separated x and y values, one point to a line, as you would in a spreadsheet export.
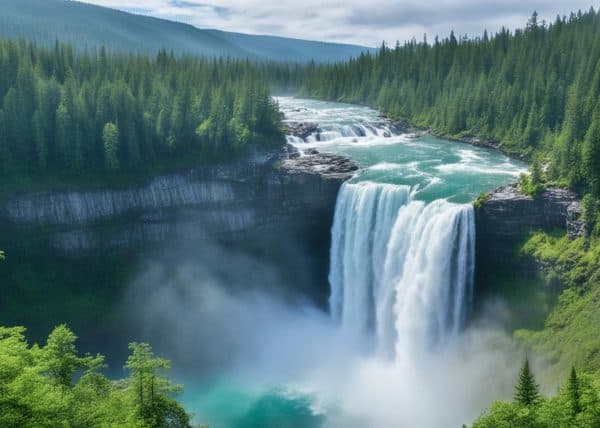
401	269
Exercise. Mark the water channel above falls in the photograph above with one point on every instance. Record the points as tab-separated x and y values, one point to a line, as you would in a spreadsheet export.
401	277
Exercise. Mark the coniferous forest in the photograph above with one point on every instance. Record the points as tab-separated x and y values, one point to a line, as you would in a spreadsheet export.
72	115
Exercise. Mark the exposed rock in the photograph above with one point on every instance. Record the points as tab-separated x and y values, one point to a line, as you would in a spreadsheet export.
279	202
510	212
576	226
302	129
327	165
507	215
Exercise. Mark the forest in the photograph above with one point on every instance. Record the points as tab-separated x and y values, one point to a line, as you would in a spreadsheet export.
75	116
534	92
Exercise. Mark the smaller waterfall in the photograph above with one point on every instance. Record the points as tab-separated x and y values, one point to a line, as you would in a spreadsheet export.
401	270
335	132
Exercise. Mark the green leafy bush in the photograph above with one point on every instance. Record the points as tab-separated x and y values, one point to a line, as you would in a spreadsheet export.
52	386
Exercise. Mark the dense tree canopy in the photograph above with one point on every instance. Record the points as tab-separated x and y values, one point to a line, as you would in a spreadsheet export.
52	386
90	114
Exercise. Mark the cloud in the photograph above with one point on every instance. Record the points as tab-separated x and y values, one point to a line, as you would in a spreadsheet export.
352	21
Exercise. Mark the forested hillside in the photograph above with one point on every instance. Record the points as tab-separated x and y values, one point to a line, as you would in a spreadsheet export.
88	27
95	115
534	91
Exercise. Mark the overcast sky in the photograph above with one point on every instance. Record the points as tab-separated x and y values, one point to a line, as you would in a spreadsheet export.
366	22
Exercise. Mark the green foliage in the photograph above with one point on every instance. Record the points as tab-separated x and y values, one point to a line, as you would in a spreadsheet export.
577	404
150	389
482	198
52	386
574	393
97	114
571	330
527	391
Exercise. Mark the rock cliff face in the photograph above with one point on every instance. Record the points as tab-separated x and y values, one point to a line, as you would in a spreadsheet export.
507	215
277	202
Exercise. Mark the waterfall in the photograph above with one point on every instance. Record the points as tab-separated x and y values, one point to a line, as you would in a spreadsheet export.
364	217
401	270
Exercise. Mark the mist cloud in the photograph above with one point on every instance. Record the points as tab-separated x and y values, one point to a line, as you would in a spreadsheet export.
215	319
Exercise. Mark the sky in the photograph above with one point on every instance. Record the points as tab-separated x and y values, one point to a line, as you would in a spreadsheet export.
365	22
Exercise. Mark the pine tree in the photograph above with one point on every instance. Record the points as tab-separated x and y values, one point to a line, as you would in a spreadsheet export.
527	391
574	392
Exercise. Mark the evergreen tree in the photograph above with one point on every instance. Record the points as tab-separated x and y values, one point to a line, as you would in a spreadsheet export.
150	388
527	391
574	392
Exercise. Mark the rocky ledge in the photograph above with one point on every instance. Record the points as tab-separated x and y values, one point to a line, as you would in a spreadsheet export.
279	202
507	215
301	129
327	165
508	212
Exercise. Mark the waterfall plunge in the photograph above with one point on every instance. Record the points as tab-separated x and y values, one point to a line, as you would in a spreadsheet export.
401	270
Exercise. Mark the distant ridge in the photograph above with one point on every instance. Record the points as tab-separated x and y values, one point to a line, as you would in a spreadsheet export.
89	26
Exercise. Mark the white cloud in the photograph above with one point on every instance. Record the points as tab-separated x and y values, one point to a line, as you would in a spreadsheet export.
365	22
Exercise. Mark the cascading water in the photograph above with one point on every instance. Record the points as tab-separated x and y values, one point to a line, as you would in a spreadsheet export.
401	270
364	218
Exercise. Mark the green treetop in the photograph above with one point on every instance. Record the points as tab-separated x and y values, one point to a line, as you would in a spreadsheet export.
527	390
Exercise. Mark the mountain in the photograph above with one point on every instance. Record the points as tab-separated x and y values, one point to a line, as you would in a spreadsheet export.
88	27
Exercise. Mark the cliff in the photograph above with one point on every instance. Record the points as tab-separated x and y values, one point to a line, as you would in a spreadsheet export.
505	217
279	204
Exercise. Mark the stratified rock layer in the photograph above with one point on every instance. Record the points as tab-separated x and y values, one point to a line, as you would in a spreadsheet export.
277	203
505	218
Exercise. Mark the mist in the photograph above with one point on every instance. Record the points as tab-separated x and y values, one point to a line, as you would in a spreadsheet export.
216	320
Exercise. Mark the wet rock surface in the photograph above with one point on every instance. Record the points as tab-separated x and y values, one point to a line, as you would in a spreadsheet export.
302	129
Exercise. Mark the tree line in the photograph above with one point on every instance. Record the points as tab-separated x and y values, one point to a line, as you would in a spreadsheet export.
52	386
71	115
533	91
